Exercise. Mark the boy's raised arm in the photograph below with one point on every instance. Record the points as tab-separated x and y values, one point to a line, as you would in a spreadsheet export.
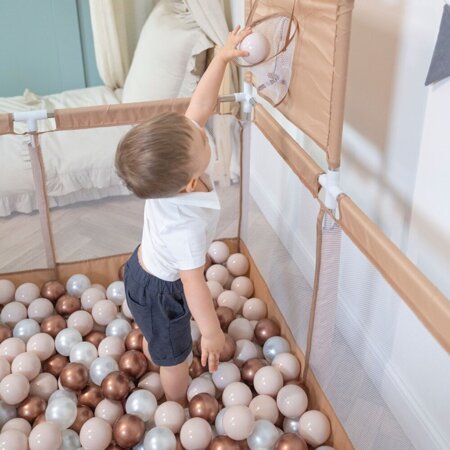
204	99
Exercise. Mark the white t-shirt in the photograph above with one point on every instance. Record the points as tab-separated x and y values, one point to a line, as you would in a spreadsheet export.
178	231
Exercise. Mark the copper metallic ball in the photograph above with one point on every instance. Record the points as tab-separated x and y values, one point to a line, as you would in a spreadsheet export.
134	340
224	443
205	406
133	363
228	350
52	325
196	368
31	408
67	304
55	364
249	369
90	396
128	430
226	316
265	329
5	332
116	385
95	337
291	441
39	419
52	290
74	377
84	413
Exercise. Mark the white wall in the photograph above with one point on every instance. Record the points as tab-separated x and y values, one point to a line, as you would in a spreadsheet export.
395	155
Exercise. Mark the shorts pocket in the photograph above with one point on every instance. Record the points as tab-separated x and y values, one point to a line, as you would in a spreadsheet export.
173	306
140	310
180	329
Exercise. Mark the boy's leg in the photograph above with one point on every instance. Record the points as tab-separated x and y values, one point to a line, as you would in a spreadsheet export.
174	380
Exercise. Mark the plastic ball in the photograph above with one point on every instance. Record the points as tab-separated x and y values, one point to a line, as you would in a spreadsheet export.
42	344
288	365
70	440
218	252
237	264
118	327
243	286
292	401
39	309
113	346
77	284
237	393
195	434
28	364
264	435
215	288
90	297
274	346
81	321
254	309
238	422
109	410
159	438
13	439
11	347
290	425
66	339
230	299
26	293
245	350
217	273
101	367
240	328
152	382
170	415
314	427
264	407
61	411
12	313
116	292
45	436
95	434
7	290
258	47
268	380
141	403
43	385
18	424
25	329
14	388
84	353
200	385
104	311
226	373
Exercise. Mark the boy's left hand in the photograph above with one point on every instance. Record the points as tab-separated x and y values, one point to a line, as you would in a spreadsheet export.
229	50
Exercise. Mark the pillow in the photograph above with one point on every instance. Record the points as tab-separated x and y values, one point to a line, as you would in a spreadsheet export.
170	55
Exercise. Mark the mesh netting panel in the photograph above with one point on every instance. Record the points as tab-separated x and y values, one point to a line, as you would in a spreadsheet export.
385	376
21	244
281	234
272	77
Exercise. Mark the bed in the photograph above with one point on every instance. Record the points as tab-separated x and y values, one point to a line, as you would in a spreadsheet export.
170	57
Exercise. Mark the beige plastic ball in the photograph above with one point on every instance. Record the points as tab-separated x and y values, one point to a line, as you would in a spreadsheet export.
292	401
230	299
152	382
226	373
109	410
314	427
13	439
43	385
12	313
12	347
28	364
26	293
288	364
18	424
215	288
268	380
254	309
95	434
39	309
7	290
42	344
218	252
237	393
238	422
200	385
218	273
241	328
81	321
243	286
170	415
104	311
45	436
264	407
91	296
125	310
237	264
195	434
5	367
14	388
113	346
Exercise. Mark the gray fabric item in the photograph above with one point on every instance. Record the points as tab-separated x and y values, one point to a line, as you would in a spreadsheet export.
440	63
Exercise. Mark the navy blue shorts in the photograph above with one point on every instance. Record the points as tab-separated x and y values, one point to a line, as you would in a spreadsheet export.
159	308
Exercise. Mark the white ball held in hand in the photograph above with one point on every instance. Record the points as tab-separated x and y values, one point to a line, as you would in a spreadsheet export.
258	47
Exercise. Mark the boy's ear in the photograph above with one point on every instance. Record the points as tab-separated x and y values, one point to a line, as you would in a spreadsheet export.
190	187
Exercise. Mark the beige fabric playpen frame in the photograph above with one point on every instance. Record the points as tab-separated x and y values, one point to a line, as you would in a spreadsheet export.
315	104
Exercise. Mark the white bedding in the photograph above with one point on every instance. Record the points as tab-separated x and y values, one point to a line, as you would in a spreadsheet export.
79	164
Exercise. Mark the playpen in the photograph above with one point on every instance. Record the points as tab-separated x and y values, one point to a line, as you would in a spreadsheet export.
371	331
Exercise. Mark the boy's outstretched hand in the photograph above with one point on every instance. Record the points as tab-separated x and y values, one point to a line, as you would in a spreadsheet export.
211	348
229	50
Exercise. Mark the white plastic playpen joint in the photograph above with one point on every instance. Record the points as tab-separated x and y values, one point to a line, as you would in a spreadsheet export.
330	182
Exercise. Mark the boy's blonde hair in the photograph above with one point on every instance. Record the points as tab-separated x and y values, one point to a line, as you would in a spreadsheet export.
155	158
